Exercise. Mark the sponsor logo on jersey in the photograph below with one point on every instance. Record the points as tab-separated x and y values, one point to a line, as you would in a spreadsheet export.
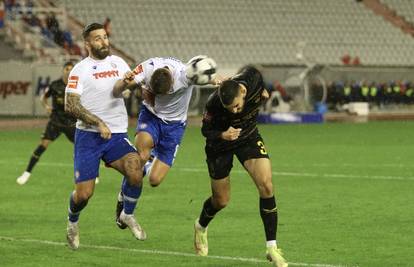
106	74
73	82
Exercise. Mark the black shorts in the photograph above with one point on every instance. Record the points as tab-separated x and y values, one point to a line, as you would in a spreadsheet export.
54	128
220	163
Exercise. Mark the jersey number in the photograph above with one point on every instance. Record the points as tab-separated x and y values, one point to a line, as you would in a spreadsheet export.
262	148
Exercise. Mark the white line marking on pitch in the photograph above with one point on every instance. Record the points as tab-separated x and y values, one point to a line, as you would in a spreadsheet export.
22	161
277	173
320	175
160	252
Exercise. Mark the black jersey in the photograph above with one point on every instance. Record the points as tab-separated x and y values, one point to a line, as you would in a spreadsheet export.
217	119
56	90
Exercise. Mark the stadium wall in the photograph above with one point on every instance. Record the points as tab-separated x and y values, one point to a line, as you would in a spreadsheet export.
21	85
335	73
306	96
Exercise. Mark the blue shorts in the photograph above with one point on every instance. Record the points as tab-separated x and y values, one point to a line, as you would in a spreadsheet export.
166	135
90	148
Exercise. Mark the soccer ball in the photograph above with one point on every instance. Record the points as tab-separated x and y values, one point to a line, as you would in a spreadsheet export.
201	69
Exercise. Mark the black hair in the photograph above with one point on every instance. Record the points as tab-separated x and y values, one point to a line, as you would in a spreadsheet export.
228	91
161	81
91	27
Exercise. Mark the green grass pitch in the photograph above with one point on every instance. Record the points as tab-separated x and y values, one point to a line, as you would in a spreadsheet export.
345	198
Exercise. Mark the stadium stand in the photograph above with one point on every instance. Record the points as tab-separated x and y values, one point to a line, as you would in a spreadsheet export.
34	31
183	28
300	42
401	7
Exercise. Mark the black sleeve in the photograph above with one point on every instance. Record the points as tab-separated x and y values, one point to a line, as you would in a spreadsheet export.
208	130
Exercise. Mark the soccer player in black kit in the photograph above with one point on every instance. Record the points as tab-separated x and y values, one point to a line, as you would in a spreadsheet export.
230	128
59	121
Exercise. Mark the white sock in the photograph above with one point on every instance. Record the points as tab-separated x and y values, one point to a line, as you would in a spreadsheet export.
271	243
120	196
148	167
198	225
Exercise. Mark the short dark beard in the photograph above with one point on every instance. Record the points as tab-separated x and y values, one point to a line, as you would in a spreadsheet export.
98	53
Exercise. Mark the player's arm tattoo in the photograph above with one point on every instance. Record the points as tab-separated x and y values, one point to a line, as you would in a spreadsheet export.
73	106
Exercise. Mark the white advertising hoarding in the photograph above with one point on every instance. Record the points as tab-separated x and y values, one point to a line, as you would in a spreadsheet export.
16	93
21	85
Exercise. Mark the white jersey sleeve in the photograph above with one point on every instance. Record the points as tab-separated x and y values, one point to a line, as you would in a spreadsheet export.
75	81
144	71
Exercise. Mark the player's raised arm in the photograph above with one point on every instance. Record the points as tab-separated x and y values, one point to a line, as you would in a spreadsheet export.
73	106
126	82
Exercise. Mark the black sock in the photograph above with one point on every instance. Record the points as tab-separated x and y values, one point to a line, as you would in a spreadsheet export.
75	209
208	212
35	157
268	212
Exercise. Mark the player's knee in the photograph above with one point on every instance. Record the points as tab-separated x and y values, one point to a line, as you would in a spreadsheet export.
265	188
84	195
154	184
220	202
145	155
135	179
155	181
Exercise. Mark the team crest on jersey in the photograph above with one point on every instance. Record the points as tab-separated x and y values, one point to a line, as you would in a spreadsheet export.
73	82
138	69
113	65
143	126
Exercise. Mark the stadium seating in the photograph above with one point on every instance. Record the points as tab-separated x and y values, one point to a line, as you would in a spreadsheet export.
404	8
236	32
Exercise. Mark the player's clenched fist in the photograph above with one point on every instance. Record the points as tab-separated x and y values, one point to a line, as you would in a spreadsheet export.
104	130
231	134
129	76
